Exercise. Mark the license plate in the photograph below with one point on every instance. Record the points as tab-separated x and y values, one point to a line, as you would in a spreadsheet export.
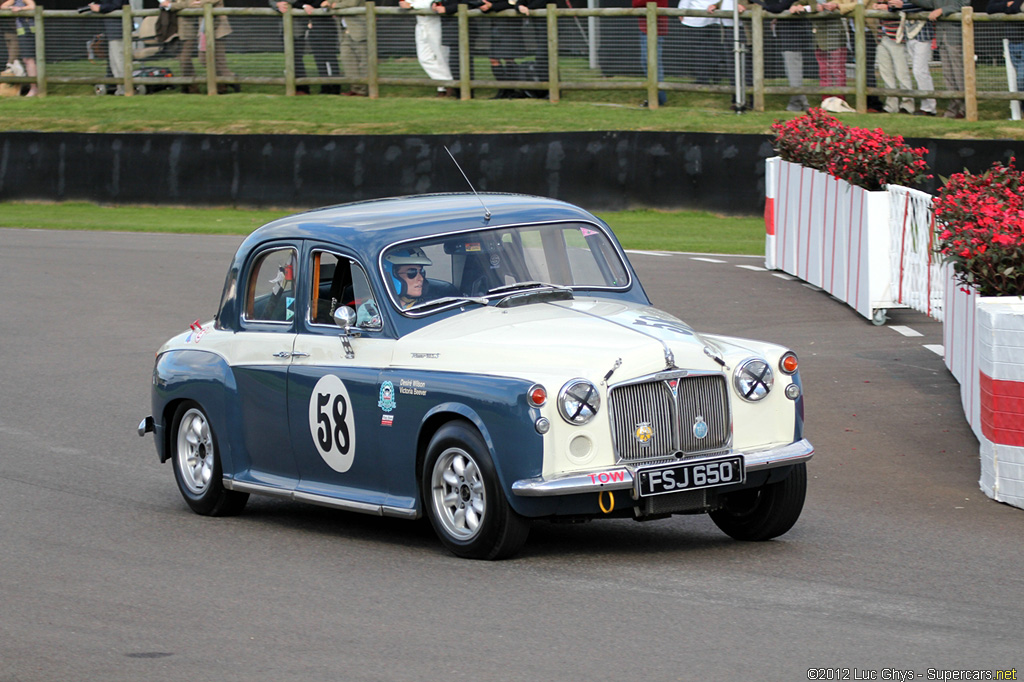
705	473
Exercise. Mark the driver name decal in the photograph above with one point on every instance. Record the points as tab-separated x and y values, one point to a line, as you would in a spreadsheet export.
331	423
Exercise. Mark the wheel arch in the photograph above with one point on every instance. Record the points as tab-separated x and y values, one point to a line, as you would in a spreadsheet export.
201	377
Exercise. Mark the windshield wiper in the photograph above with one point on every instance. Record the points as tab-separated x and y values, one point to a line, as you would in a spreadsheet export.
445	301
516	286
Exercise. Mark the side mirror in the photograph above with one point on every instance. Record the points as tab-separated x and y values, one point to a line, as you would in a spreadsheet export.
345	317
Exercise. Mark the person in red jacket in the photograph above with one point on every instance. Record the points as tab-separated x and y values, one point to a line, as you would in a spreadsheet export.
662	32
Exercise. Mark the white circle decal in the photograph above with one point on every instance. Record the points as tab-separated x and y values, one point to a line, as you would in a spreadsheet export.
331	423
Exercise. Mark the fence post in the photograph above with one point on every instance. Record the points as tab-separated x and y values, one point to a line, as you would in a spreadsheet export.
554	90
652	55
37	18
970	75
372	64
126	49
860	59
465	59
211	47
757	31
289	52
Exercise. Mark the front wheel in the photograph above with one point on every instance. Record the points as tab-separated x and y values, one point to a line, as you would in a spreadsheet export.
766	512
463	499
197	467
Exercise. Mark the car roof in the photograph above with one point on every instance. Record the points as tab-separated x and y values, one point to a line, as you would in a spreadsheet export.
369	226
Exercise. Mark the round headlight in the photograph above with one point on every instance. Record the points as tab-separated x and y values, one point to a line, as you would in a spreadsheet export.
753	379
578	401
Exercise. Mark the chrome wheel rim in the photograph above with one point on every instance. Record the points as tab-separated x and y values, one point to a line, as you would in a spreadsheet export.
194	456
459	498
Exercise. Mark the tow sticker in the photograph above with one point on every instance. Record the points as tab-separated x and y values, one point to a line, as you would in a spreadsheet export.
332	424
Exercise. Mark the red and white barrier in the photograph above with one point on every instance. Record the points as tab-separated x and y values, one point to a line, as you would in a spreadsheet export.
829	233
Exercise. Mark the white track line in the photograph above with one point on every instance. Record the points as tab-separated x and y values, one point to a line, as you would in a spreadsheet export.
906	331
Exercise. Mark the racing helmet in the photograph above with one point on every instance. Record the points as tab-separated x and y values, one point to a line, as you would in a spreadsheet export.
410	255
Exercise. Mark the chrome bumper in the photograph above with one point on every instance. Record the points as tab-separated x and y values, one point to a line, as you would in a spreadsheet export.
622	477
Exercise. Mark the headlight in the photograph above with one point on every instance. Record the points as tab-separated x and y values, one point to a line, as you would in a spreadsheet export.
578	401
753	379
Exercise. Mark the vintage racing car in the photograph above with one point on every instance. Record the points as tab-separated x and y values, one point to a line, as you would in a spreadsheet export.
484	360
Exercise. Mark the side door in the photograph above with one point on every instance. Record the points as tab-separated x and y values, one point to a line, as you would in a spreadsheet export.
260	358
334	392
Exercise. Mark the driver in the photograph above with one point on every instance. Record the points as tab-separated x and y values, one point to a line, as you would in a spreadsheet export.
407	269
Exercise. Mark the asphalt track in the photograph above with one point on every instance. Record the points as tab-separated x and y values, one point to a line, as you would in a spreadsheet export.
898	563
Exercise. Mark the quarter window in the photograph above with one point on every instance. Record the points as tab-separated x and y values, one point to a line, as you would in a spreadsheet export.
270	292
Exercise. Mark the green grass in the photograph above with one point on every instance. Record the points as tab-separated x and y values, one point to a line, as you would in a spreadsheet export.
406	110
641	229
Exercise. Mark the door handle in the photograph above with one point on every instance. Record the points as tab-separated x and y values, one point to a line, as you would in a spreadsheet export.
290	354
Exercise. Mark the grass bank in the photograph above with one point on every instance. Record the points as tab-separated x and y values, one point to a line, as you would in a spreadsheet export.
642	229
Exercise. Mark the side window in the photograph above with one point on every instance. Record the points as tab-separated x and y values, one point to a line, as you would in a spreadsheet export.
270	291
337	282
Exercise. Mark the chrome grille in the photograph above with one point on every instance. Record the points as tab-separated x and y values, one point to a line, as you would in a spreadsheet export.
638	404
671	418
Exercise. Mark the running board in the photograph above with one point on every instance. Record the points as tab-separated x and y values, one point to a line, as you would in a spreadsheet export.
321	500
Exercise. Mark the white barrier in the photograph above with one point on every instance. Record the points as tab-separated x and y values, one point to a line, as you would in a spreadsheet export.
916	270
875	250
831	234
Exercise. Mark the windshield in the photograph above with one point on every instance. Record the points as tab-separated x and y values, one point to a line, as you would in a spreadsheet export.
491	263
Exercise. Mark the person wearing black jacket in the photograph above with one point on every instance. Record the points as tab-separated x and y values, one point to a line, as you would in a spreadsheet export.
794	36
115	38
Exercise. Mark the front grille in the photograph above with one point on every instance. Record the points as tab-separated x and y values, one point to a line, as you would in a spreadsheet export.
657	419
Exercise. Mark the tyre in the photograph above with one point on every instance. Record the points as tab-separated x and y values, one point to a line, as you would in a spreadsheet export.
463	499
766	512
197	466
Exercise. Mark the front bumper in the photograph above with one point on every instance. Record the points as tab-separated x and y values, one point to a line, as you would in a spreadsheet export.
622	477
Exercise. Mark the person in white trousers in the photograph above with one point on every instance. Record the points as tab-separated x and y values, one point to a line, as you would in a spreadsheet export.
918	34
432	55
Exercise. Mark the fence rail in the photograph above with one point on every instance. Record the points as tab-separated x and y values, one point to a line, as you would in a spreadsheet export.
545	54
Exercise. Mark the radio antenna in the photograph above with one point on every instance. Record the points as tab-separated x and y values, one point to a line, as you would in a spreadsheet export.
487	211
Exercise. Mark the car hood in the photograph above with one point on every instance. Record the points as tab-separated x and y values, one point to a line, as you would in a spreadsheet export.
581	337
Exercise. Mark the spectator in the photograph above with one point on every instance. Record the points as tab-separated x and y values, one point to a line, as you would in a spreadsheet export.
951	50
299	28
25	29
535	36
701	37
795	38
432	55
893	62
10	31
115	42
662	25
189	33
506	47
830	43
353	46
918	35
322	41
450	32
1014	34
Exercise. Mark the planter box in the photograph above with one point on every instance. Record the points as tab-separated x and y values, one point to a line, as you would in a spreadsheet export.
984	349
831	234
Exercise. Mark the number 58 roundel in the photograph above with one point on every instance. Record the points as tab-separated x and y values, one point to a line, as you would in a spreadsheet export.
331	423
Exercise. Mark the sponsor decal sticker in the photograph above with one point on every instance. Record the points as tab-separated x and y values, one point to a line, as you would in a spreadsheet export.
411	387
387	419
387	396
425	356
586	231
332	424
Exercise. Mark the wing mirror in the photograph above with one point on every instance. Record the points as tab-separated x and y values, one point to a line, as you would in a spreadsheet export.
345	317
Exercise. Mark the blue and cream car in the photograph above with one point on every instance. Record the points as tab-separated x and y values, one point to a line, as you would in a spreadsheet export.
484	360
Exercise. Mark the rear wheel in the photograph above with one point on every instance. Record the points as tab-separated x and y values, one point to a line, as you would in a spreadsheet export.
197	467
766	512
463	499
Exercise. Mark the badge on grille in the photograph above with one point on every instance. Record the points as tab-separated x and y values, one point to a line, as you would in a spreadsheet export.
700	427
644	433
